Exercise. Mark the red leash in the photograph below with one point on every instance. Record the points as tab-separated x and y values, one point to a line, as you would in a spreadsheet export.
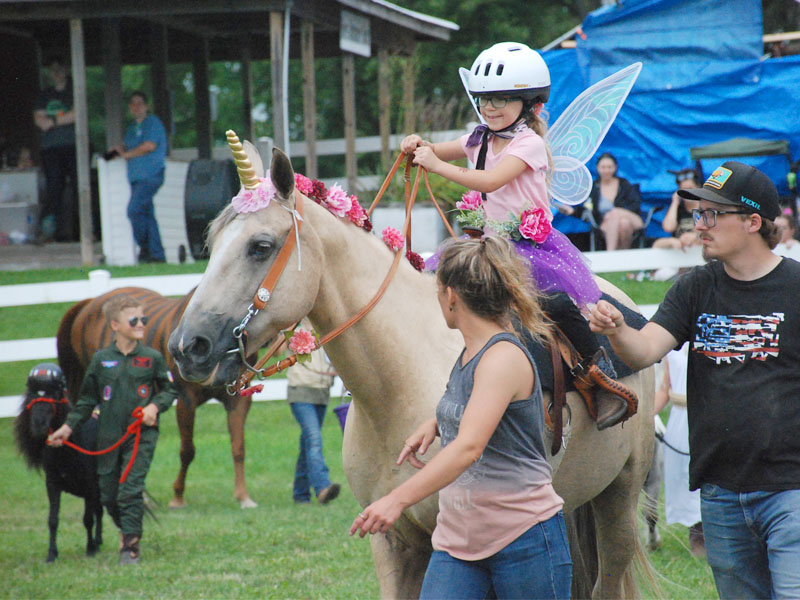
134	428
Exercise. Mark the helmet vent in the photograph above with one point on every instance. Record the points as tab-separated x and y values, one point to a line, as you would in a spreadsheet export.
487	69
517	49
500	69
477	68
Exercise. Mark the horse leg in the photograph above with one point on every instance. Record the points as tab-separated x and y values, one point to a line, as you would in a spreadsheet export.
401	561
652	490
98	515
88	523
237	415
617	536
54	497
185	410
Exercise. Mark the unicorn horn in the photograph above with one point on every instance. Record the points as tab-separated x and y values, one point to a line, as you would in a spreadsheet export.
247	174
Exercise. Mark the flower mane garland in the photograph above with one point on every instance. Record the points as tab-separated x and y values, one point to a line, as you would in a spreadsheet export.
335	200
532	224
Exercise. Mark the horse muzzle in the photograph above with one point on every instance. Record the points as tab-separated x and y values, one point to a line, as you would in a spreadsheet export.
203	359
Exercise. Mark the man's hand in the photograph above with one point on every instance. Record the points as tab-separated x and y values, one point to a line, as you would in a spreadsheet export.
149	415
606	318
57	438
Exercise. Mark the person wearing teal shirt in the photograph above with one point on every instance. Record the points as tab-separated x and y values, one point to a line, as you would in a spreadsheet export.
145	149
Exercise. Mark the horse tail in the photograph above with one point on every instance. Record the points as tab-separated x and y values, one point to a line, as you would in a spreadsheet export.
582	538
68	359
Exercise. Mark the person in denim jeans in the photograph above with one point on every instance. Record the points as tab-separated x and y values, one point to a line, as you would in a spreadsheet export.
500	529
741	318
308	396
145	149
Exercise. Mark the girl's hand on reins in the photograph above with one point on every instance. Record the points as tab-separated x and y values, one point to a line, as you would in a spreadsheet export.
419	441
410	143
425	157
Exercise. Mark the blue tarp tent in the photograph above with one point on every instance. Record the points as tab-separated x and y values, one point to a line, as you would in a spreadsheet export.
703	81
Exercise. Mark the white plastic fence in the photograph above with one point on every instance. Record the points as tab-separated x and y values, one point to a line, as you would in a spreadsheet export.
100	281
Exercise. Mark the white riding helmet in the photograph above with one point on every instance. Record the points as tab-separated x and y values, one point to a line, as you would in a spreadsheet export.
510	69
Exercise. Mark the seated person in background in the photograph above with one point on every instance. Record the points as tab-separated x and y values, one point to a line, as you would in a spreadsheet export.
678	221
787	226
615	204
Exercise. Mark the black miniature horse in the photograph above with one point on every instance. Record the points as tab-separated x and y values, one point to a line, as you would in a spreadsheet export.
44	410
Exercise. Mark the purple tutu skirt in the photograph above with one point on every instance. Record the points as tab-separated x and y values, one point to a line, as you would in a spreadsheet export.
556	266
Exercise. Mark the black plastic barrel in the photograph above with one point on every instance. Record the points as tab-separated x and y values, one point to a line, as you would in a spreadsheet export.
210	185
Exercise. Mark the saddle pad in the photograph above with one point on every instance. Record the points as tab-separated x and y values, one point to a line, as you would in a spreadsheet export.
544	362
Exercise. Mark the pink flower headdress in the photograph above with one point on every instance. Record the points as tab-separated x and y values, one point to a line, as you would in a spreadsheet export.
251	200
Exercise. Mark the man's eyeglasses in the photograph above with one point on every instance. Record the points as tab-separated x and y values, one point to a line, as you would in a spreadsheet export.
684	176
496	102
134	321
709	215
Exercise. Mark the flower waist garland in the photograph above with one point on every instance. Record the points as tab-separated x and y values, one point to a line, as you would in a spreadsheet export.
335	199
532	224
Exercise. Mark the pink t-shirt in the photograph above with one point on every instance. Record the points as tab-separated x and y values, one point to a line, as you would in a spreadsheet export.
529	190
475	523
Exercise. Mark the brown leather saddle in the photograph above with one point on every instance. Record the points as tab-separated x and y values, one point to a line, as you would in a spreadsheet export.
556	365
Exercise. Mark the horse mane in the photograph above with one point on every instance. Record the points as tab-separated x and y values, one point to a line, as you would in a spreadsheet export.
32	448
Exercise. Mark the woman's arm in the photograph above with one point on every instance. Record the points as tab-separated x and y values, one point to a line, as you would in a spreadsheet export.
628	196
503	374
670	222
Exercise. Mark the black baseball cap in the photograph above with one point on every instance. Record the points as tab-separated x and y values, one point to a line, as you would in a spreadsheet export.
741	185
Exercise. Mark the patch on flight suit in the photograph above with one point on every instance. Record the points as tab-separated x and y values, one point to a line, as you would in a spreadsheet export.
142	361
170	377
107	393
143	391
109	364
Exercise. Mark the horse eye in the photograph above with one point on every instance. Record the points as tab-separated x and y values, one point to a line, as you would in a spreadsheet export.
259	249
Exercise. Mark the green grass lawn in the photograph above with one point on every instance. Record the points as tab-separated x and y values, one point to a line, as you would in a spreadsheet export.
214	549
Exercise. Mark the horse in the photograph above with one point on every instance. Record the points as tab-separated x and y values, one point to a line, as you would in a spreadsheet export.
395	361
83	330
65	469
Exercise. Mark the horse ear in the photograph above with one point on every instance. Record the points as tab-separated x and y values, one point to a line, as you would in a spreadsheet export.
255	158
282	175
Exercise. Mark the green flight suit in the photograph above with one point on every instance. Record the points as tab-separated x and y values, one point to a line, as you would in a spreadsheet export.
119	383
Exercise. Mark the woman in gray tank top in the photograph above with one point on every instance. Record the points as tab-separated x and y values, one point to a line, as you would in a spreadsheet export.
500	527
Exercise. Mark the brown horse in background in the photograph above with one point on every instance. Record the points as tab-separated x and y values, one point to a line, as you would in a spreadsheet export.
84	330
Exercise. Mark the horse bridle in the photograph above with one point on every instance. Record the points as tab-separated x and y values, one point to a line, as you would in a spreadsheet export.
264	291
51	401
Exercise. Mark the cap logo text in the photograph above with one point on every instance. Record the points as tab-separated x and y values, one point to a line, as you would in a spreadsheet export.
752	203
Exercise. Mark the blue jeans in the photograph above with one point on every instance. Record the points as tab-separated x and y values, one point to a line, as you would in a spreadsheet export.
752	541
535	565
142	216
311	470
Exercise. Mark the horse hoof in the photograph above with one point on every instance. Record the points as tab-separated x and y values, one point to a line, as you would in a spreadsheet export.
177	503
248	503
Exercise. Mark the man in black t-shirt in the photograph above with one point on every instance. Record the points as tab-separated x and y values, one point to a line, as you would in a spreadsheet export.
54	117
741	317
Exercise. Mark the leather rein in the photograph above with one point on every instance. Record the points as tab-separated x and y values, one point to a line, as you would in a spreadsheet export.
264	291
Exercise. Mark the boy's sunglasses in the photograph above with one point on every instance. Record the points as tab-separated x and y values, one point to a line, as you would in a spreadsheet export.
133	321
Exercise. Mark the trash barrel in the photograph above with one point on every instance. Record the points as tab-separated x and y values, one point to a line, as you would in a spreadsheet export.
210	185
341	412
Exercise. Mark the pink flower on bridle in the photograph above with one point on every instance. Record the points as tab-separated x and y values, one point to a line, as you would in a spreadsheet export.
252	200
